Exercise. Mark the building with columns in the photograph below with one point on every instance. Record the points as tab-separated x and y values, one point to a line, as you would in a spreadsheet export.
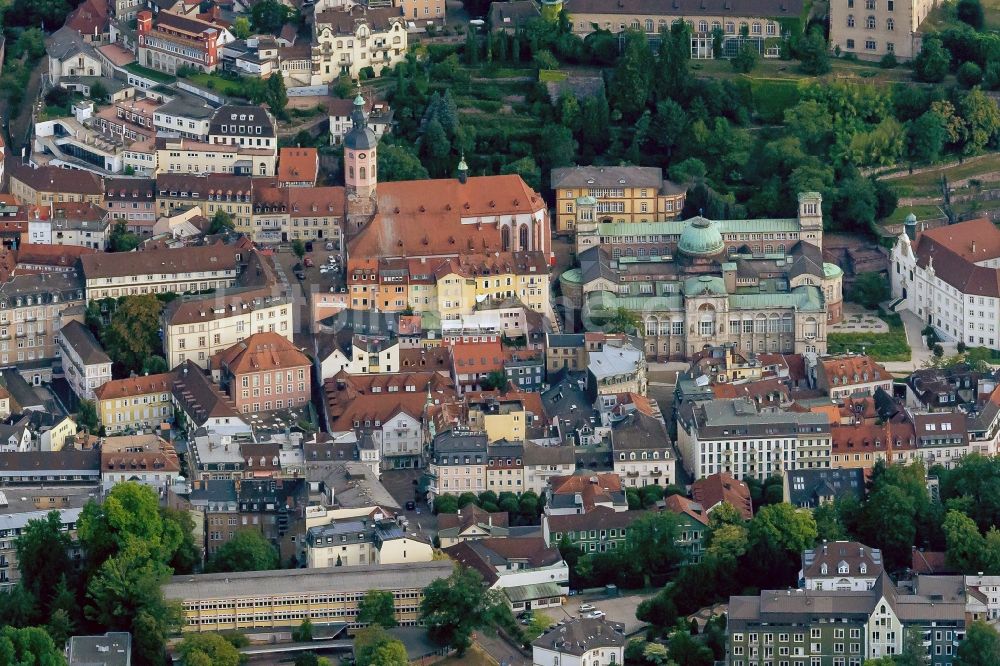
760	285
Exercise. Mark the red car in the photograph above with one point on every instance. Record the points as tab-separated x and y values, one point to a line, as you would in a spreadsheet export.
308	262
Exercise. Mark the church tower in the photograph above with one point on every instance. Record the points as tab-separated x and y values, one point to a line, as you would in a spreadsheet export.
360	167
811	218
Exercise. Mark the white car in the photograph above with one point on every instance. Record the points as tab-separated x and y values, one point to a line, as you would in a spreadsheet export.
586	608
329	246
597	614
324	269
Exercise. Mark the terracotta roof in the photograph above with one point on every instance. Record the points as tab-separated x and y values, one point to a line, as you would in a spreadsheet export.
52	255
722	487
312	201
476	357
855	369
424	217
54	179
361	398
593	488
425	358
261	457
133	386
298	165
116	54
954	249
930	562
130	189
138	453
89	18
196	259
681	504
763	391
261	352
469	516
848	439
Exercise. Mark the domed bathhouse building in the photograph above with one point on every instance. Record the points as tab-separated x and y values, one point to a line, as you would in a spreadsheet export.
760	285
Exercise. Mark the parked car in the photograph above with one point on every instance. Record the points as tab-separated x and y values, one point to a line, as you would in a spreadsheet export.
330	246
411	505
332	259
300	275
597	614
324	269
309	246
308	262
586	608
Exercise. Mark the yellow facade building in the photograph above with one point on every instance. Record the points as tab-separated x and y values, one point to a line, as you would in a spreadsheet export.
135	404
284	598
614	194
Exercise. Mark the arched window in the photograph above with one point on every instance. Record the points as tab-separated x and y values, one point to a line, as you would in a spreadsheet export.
850	20
523	240
890	24
350	171
755	28
649	25
730	28
651	326
505	239
702	26
362	172
870	22
744	28
716	26
635	24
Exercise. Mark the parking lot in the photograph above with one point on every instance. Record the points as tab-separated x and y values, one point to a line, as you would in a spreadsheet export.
617	609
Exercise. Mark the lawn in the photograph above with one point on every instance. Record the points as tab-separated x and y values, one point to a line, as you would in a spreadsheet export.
922	213
539	623
218	84
891	346
983	354
148	73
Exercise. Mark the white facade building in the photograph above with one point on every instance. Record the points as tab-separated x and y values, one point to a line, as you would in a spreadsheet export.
950	278
84	362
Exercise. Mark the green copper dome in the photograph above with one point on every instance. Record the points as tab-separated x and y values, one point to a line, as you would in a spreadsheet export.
701	238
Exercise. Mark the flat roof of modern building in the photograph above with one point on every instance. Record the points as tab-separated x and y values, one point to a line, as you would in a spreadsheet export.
282	582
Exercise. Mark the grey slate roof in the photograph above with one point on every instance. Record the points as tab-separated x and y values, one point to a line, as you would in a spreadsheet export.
83	342
65	43
805	486
610	176
579	635
740	8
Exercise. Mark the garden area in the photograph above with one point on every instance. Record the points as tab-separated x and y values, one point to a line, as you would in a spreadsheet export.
891	346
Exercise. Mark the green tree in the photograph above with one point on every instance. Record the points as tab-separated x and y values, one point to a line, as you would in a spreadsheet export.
198	649
43	556
29	646
670	69
596	123
969	74
398	161
496	380
121	239
811	50
870	289
728	543
374	646
133	333
724	514
982	121
435	149
966	548
622	321
471	48
746	58
304	632
299	248
222	222
932	63
154	365
241	27
269	16
630	82
527	169
829	526
377	607
248	550
980	647
60	626
276	94
651	544
927	136
970	12
445	504
86	416
454	607
558	148
686	651
778	535
18	607
125	595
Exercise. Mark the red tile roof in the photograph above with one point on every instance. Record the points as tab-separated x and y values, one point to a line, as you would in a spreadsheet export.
296	165
593	488
722	487
261	352
132	386
954	250
477	357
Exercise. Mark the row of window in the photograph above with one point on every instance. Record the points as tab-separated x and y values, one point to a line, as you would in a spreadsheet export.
870	23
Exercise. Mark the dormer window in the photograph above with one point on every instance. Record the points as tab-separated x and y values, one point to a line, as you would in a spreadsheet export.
822	569
842	568
863	568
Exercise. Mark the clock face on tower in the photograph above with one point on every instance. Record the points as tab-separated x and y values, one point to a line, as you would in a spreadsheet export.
361	156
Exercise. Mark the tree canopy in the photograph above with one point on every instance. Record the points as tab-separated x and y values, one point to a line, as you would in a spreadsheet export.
248	550
454	607
377	607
